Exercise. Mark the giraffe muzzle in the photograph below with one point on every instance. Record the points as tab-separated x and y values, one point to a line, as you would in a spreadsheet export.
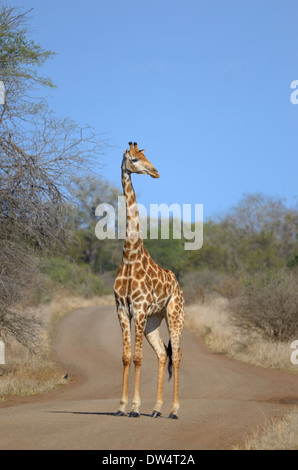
153	173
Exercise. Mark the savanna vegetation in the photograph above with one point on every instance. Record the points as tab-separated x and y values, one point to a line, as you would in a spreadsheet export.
243	281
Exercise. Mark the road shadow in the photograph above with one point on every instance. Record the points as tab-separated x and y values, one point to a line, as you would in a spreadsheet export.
99	413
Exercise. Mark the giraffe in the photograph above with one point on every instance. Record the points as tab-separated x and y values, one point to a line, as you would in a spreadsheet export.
146	293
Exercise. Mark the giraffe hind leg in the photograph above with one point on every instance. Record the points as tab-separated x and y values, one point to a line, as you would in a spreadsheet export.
176	358
175	320
153	337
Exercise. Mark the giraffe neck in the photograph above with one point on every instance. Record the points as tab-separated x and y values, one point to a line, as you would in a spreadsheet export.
133	242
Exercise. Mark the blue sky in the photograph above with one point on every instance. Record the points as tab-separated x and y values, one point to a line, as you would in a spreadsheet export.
202	85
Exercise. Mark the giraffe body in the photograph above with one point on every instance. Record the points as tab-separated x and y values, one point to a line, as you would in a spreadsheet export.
146	293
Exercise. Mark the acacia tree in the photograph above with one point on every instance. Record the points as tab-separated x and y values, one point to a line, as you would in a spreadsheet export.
39	157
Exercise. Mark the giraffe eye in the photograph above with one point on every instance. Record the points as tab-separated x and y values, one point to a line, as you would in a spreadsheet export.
134	160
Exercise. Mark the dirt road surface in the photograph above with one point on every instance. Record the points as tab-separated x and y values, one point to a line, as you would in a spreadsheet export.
222	400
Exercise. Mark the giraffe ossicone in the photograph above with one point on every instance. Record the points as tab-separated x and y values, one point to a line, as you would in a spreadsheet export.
146	293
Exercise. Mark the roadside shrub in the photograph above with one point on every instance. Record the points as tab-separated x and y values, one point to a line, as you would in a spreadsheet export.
228	287
77	278
268	305
293	262
198	285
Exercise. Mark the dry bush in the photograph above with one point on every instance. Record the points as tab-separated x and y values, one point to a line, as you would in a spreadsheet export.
198	285
26	329
228	287
212	322
268	305
193	292
36	175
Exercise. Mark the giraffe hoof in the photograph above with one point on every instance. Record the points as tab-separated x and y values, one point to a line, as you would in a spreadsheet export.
121	413
173	416
134	414
155	414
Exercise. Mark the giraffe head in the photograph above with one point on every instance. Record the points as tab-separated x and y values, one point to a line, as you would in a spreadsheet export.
136	162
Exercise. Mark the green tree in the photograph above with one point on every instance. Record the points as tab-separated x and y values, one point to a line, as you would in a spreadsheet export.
20	60
259	232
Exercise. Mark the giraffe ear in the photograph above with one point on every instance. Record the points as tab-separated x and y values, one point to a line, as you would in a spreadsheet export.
142	151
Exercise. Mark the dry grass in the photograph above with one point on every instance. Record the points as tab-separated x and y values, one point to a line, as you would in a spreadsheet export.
278	435
28	374
211	321
63	303
267	303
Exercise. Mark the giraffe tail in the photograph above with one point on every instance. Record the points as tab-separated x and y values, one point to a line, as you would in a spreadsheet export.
169	354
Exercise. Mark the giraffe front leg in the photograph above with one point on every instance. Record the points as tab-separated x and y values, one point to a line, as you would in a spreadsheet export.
140	322
126	359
